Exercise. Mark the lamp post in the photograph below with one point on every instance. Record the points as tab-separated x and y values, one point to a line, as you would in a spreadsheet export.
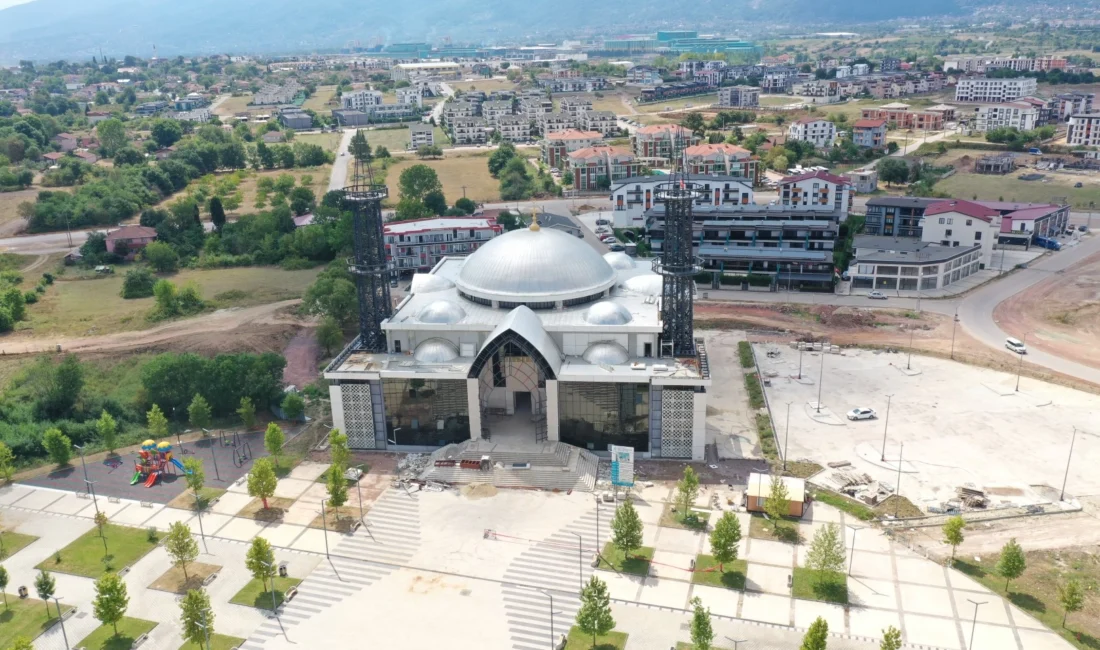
580	561
786	435
274	607
820	379
324	522
1069	459
974	624
598	547
213	457
800	359
95	502
908	365
205	630
359	491
202	533
886	427
551	597
897	489
1020	366
61	620
954	326
853	554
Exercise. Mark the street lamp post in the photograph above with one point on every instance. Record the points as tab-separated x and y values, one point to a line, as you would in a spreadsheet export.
974	623
551	597
786	435
580	561
897	488
61	620
95	502
1020	366
205	630
820	379
324	522
954	326
274	607
886	427
359	491
908	365
800	360
214	457
1068	460
853	555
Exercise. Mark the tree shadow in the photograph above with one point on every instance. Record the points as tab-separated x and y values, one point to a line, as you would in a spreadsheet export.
1085	639
1027	602
272	514
831	590
787	532
638	566
970	569
733	580
61	472
263	599
120	641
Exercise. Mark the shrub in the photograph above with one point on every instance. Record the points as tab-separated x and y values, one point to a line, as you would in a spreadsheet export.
30	297
138	283
744	352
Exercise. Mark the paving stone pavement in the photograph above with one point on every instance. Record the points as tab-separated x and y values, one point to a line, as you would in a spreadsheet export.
390	538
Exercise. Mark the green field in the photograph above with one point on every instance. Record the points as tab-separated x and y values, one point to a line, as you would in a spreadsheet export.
637	564
319	101
85	557
488	85
234	105
1010	188
14	542
217	642
454	172
329	141
104	637
25	617
675	104
707	573
578	640
827	586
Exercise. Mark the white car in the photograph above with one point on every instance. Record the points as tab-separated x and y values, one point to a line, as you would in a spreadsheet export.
876	295
862	414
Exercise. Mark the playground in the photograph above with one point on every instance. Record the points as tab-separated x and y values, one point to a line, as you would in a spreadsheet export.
155	472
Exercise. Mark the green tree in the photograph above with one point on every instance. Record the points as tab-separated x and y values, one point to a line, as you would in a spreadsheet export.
111	600
893	170
247	413
466	205
1069	594
594	616
198	412
359	148
626	528
58	446
817	637
416	181
4	579
435	202
161	256
197	617
260	561
687	490
7	462
138	283
891	639
195	475
166	132
217	213
695	123
953	534
702	632
100	520
776	503
293	406
274	440
337	486
1012	563
156	422
21	643
725	538
329	335
167	298
181	546
64	384
338	448
107	429
45	586
112	136
499	158
262	480
826	550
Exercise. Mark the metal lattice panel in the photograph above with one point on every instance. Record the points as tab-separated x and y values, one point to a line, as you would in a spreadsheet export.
363	198
358	415
677	423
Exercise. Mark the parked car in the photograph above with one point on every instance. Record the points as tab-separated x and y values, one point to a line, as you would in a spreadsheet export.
862	413
1078	184
876	295
616	247
603	222
1083	228
1016	345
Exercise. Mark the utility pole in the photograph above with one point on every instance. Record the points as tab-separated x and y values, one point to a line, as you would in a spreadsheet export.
463	191
580	562
820	378
954	325
897	489
974	624
886	427
909	359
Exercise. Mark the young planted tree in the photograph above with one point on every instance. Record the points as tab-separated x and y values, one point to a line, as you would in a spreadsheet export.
293	406
594	616
776	505
4	578
45	586
891	639
725	538
260	561
337	486
274	440
626	528
197	617
100	521
702	633
338	448
195	476
58	446
687	490
1070	595
7	462
953	534
181	546
247	412
111	600
262	480
198	412
329	335
826	550
107	429
1012	563
817	637
156	422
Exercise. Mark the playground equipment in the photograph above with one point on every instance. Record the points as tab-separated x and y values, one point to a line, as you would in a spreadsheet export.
242	454
152	461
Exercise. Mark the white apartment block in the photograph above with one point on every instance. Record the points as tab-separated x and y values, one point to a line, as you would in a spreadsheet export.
492	111
514	128
994	91
455	110
1021	115
421	243
444	69
574	106
361	100
603	122
534	104
819	91
556	121
980	64
410	96
1084	130
821	133
468	130
421	135
739	97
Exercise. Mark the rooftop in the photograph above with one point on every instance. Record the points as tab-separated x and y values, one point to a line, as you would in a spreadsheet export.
719	148
825	176
868	124
441	223
131	232
960	206
891	250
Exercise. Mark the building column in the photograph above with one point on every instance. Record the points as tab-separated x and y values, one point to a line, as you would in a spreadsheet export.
473	406
336	399
552	433
699	426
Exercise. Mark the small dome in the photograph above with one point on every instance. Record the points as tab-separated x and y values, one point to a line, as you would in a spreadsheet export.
606	352
436	351
428	282
619	261
441	312
607	313
646	285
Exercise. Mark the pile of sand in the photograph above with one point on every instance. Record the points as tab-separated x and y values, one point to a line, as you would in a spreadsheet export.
474	491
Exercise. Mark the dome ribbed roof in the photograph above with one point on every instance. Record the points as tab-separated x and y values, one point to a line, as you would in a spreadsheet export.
427	282
607	313
646	285
619	261
436	351
442	312
529	265
606	352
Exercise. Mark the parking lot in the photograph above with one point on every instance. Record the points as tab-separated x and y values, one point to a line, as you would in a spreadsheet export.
959	424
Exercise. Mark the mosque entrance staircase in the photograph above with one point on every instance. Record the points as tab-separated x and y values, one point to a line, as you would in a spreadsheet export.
539	465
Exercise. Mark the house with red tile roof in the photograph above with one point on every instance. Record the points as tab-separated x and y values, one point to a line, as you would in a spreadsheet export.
654	144
869	133
556	145
956	222
596	168
128	240
721	158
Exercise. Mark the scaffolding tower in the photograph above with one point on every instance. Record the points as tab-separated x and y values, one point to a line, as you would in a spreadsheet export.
363	198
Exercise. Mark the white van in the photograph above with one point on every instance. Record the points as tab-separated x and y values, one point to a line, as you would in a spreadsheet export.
1016	345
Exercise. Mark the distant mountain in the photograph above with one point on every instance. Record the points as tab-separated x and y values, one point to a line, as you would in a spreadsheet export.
72	29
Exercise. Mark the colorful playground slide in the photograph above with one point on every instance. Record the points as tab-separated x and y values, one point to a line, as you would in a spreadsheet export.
152	479
151	462
177	463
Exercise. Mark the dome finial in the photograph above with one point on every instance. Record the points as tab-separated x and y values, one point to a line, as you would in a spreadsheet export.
534	220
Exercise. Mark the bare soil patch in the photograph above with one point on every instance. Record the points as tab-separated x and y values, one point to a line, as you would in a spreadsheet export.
173	581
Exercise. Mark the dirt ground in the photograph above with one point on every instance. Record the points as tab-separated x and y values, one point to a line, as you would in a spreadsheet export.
1061	313
302	353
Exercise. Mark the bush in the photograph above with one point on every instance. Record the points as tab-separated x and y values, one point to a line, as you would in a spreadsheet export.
138	283
756	392
161	256
744	351
48	277
30	297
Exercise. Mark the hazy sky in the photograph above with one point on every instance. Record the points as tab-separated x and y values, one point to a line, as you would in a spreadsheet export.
4	4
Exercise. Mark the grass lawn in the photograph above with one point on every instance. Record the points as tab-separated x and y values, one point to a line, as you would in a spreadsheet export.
217	642
991	188
674	104
25	617
1036	591
817	585
186	500
481	83
234	105
787	531
318	182
690	521
637	564
578	640
172	580
732	578
319	101
104	637
328	141
274	512
84	557
454	172
609	102
778	100
91	307
14	542
394	139
801	469
339	520
850	506
254	595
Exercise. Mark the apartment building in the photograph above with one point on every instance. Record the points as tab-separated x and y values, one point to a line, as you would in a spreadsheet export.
889	64
1024	116
899	115
896	216
891	264
724	159
819	132
574	84
1063	105
864	181
603	121
514	128
574	107
982	64
819	91
779	81
645	75
274	94
993	91
441	69
468	130
532	104
673	91
869	133
654	144
596	168
1084	130
633	197
962	223
492	111
418	245
739	97
555	121
817	191
411	96
360	100
421	135
456	109
556	145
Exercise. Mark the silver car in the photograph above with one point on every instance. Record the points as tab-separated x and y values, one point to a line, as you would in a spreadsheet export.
862	414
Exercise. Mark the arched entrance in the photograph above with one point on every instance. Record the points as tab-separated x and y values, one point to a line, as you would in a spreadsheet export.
512	376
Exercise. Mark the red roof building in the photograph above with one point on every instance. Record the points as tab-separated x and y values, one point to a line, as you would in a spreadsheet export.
128	240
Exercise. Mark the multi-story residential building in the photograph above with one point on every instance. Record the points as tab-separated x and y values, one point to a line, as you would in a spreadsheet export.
645	75
603	121
817	191
1063	105
596	168
272	94
895	216
889	64
632	197
869	133
441	69
574	107
468	130
514	128
864	181
860	69
962	223
722	158
421	135
819	132
1021	115
574	84
151	108
672	91
901	117
1084	130
993	91
982	64
739	97
411	96
360	100
557	144
555	121
779	81
418	245
532	104
892	264
819	91
456	109
492	111
654	144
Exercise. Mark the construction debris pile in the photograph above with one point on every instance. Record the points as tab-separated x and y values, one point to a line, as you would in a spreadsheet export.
857	485
412	465
813	347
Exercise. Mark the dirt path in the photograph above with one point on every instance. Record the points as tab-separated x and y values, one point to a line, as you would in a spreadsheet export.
302	353
39	261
